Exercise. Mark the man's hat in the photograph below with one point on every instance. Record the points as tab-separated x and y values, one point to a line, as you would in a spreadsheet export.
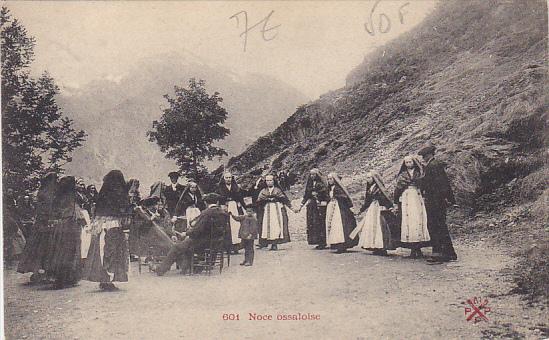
211	198
173	174
427	149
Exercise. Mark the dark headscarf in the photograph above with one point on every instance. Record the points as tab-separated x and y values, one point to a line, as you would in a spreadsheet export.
64	203
45	196
379	183
112	199
133	192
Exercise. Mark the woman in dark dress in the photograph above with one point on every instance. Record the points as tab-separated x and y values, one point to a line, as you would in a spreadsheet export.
108	257
340	220
67	220
316	199
35	256
91	193
232	197
190	203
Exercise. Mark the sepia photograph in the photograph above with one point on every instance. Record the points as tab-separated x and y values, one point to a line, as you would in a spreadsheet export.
355	170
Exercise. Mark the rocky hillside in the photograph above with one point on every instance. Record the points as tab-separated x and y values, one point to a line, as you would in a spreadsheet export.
117	112
472	79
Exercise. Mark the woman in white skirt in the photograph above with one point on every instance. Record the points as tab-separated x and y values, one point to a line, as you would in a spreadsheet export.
374	231
231	196
340	220
272	214
414	233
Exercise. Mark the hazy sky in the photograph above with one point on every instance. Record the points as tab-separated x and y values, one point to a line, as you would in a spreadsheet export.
313	49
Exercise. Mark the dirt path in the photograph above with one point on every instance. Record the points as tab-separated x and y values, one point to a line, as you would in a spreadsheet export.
357	295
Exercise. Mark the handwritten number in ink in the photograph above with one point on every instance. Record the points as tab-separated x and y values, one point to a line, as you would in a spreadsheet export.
264	30
383	20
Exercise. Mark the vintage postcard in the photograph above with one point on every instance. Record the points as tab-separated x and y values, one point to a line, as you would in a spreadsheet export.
275	169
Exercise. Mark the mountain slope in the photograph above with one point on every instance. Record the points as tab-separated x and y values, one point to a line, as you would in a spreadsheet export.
471	78
117	112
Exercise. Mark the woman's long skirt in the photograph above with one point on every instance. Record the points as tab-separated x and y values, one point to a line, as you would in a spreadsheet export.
316	224
374	230
108	257
35	256
65	259
232	207
274	225
414	230
335	233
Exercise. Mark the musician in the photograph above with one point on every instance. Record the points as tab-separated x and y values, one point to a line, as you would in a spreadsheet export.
211	225
153	234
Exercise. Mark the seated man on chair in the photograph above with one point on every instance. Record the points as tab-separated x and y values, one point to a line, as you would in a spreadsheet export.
211	225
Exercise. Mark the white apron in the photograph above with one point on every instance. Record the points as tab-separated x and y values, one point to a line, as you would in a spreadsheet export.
86	234
334	224
273	224
235	225
371	235
414	217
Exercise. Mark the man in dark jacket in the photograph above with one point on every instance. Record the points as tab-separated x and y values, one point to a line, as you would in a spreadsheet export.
438	196
173	192
212	226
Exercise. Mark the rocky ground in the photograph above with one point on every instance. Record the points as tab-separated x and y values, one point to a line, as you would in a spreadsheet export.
357	296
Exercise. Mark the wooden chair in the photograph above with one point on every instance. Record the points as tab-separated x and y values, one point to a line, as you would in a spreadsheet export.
211	257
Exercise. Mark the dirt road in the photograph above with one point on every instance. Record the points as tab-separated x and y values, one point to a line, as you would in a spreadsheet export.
356	295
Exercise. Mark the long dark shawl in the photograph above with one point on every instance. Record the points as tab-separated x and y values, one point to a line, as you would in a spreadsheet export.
404	179
315	182
348	218
65	263
376	191
185	200
233	195
37	252
64	205
276	196
45	197
112	199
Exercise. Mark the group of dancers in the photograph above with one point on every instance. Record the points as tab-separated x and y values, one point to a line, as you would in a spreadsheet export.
81	236
79	233
413	217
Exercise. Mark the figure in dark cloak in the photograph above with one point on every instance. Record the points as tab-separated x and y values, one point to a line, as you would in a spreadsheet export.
67	220
438	196
173	192
35	256
108	257
316	199
232	198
